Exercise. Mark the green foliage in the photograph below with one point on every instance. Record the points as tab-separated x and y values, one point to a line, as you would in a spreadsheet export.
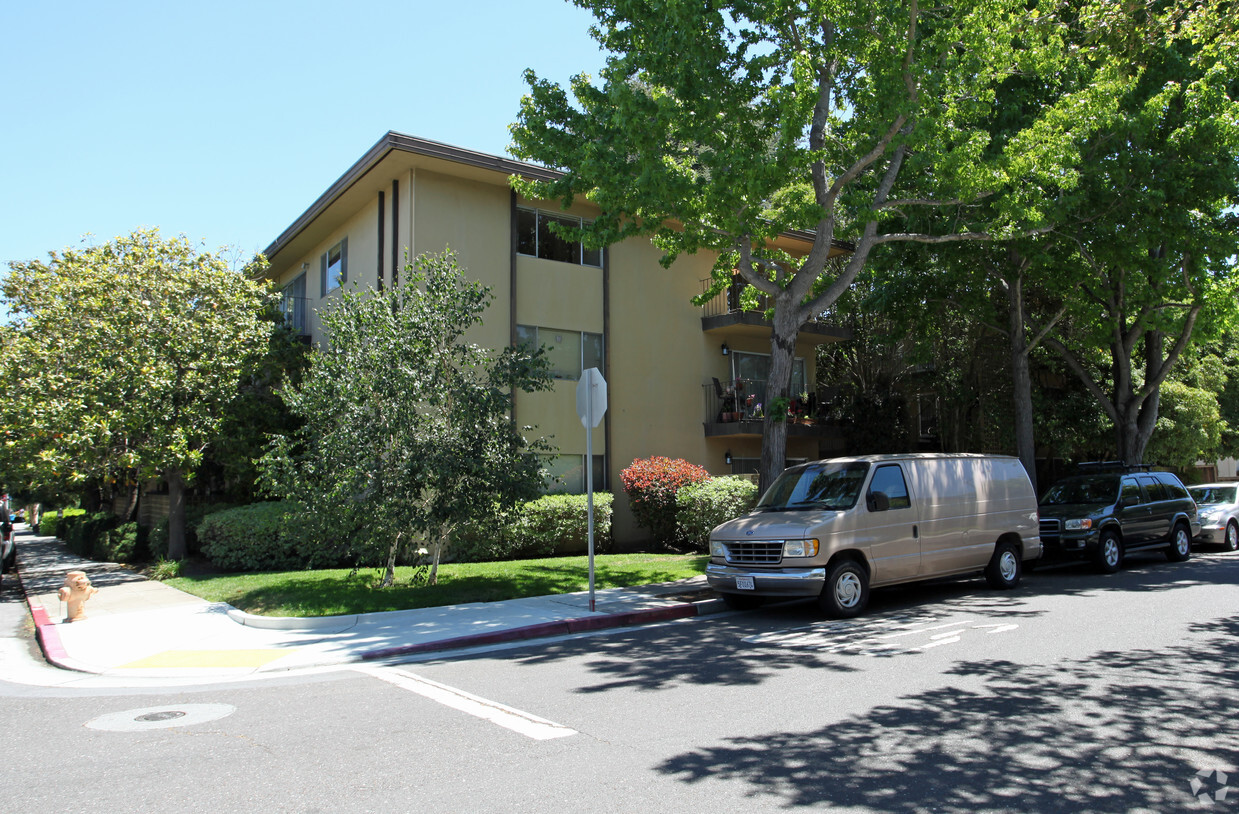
194	514
1189	427
164	570
651	485
720	126
344	591
49	523
539	528
103	537
407	428
262	537
122	359
703	505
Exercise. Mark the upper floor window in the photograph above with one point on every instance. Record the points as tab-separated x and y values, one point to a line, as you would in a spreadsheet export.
569	352
334	266
535	238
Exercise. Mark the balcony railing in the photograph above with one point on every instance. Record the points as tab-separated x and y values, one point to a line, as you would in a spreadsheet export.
726	311
738	407
728	300
294	310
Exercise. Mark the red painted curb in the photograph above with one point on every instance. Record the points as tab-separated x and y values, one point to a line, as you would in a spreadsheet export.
44	628
581	625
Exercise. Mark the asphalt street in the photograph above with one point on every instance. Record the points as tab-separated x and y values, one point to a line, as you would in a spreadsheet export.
1075	692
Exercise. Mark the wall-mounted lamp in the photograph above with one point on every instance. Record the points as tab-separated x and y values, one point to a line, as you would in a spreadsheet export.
727	457
305	266
726	350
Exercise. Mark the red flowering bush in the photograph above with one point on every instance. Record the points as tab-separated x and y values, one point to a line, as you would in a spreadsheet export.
651	485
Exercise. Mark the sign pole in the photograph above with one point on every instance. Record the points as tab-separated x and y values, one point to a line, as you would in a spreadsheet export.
591	404
589	489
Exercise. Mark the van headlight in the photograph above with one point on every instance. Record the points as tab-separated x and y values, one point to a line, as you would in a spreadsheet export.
800	548
718	549
1079	524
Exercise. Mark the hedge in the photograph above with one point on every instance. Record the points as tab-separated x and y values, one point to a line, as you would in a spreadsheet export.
702	506
651	485
260	537
549	525
102	536
49	523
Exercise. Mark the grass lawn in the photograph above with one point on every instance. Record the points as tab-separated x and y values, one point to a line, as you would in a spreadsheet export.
339	591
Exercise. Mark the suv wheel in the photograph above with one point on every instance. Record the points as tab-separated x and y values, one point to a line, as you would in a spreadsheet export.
1004	567
1180	544
846	592
1231	541
1109	552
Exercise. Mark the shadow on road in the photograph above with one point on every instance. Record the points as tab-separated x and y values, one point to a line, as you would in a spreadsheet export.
1115	732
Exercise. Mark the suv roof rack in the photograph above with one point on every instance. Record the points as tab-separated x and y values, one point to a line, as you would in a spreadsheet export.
1112	466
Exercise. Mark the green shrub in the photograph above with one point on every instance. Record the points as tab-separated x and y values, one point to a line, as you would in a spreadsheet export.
125	542
260	537
194	514
702	506
651	485
539	528
49	523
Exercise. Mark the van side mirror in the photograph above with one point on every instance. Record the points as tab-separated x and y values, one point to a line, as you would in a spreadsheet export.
878	502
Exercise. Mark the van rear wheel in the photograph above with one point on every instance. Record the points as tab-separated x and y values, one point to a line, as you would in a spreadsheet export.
1005	567
846	592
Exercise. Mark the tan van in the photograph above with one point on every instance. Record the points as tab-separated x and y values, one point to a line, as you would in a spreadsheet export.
832	529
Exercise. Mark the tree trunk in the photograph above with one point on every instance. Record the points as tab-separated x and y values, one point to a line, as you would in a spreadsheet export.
177	545
131	508
1021	379
389	576
778	391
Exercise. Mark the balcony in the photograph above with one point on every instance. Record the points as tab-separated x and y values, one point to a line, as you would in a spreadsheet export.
295	310
725	313
737	410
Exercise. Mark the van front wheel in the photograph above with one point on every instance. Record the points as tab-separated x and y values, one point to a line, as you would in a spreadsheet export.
1005	567
846	592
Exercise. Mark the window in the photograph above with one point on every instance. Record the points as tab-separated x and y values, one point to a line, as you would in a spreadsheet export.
569	352
889	481
292	304
535	238
567	474
334	265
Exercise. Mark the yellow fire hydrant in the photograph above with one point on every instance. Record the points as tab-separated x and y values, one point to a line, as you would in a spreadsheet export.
77	589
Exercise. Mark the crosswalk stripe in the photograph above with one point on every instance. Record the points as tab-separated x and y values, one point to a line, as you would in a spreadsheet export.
522	722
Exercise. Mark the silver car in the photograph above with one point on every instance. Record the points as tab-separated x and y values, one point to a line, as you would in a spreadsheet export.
1219	513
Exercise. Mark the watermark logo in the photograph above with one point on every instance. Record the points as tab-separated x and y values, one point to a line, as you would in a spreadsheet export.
1209	786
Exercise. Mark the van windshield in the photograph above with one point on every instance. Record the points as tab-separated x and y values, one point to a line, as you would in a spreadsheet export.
826	485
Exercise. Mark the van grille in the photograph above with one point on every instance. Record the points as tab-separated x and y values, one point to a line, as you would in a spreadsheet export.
1050	528
755	553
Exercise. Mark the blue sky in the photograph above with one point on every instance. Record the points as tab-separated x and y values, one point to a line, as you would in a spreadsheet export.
225	120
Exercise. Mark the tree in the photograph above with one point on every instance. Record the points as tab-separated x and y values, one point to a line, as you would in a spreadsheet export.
120	361
719	126
408	430
1156	235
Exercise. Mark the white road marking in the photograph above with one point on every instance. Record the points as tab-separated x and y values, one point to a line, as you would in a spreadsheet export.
522	722
875	637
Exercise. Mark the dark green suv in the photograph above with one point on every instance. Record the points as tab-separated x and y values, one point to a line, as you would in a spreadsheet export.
1103	516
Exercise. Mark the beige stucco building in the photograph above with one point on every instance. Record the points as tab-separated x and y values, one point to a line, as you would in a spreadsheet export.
683	380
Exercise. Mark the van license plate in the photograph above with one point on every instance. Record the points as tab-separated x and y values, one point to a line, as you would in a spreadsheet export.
744	583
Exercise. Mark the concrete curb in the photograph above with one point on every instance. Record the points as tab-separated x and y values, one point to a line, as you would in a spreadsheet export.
343	622
562	627
46	634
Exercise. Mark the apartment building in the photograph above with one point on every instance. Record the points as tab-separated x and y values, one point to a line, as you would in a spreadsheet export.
683	381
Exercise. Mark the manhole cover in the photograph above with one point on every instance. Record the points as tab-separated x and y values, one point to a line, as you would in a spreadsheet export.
139	720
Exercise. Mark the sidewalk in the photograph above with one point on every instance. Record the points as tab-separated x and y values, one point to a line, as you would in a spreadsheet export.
142	628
